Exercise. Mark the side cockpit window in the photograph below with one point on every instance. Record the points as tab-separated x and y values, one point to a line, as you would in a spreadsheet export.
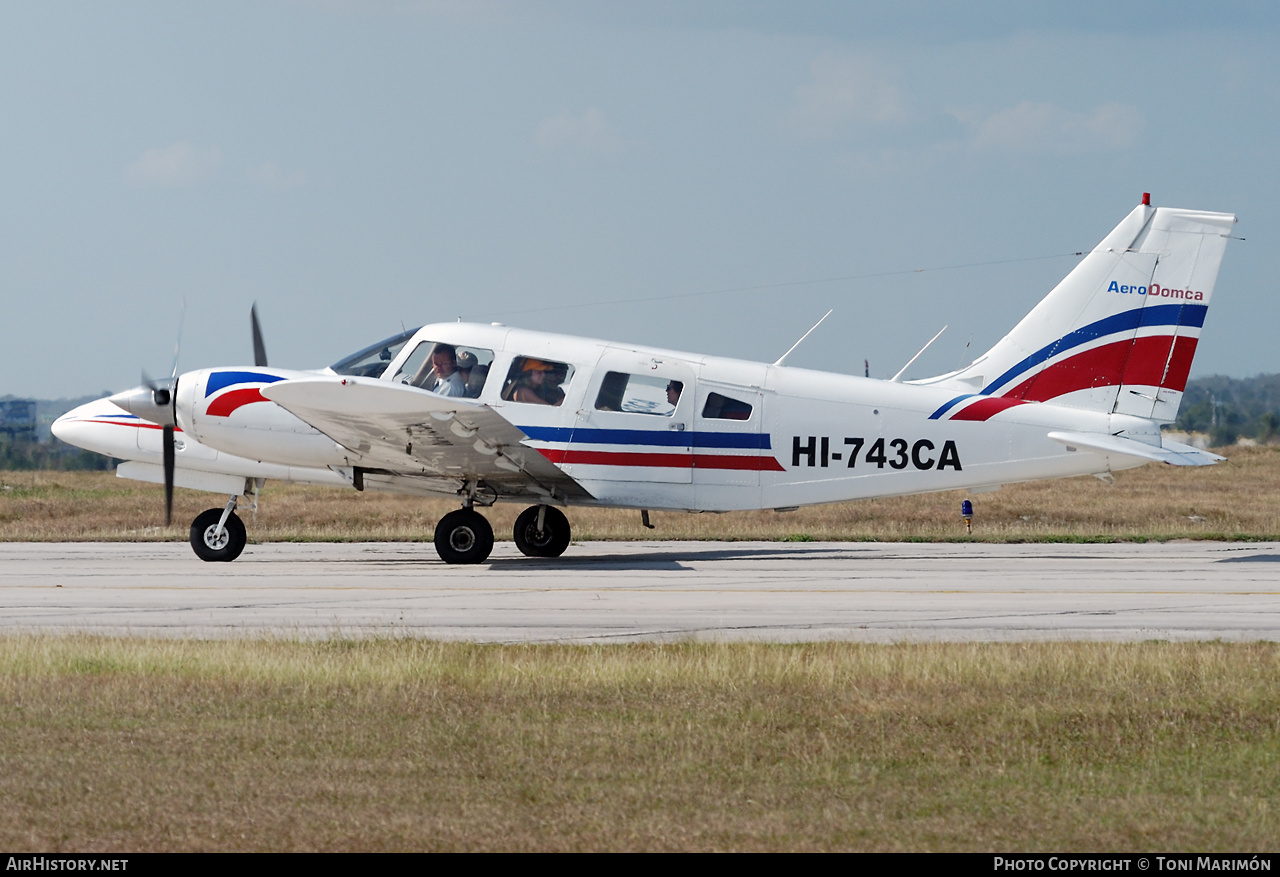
638	394
720	407
536	381
447	369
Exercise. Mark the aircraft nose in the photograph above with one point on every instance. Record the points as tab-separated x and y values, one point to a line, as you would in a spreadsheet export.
72	427
100	427
61	427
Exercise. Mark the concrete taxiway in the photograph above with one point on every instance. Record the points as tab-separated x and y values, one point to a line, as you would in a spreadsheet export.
653	591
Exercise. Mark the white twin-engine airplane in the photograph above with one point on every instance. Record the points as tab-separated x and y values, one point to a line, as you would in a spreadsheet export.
488	413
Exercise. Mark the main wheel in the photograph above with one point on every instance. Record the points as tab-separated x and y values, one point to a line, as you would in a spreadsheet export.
225	547
551	541
464	536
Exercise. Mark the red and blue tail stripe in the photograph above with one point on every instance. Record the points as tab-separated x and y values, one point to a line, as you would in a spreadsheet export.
1159	360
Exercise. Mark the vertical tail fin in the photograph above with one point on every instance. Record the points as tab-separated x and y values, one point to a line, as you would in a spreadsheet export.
1118	333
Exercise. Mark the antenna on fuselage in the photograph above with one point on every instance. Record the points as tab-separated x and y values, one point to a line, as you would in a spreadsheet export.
894	379
782	359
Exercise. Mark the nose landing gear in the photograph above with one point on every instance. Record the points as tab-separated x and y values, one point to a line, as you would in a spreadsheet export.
218	535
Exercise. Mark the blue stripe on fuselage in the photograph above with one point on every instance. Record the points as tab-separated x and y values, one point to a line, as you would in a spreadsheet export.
948	406
666	438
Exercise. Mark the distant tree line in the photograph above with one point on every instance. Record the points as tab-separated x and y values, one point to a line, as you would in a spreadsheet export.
25	445
1229	409
21	453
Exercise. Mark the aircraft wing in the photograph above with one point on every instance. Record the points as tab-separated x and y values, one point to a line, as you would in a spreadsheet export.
1171	452
406	431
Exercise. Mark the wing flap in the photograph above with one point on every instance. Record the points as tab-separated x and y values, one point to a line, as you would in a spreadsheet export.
1171	452
409	431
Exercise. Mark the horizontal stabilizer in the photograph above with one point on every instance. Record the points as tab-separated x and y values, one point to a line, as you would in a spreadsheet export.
1171	452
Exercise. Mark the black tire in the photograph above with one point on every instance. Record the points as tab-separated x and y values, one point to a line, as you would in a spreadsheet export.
222	550
553	539
464	536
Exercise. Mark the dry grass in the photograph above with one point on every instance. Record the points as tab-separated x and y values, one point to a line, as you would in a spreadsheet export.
411	745
1235	500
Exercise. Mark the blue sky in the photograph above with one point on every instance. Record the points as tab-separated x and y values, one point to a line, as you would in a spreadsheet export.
686	175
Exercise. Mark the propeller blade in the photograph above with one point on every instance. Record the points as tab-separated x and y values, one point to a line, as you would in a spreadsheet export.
259	349
168	475
177	344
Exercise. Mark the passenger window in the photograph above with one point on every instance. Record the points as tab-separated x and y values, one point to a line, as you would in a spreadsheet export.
638	394
536	381
723	408
447	369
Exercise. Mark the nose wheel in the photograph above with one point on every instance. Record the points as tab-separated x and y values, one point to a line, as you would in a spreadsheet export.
215	539
542	531
464	536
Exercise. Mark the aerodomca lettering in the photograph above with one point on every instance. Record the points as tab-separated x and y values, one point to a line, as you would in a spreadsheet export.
1156	290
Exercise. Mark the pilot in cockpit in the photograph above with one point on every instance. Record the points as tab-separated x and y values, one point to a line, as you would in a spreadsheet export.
444	379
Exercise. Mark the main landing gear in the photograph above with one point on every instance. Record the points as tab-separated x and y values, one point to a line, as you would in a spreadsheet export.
542	531
218	534
465	536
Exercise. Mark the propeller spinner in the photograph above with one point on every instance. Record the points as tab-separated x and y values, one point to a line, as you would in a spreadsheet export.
154	402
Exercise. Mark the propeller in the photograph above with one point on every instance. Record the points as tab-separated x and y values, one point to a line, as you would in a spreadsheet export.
154	402
259	348
168	474
162	397
177	344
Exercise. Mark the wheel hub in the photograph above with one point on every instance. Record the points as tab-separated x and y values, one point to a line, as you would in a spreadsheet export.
462	539
215	540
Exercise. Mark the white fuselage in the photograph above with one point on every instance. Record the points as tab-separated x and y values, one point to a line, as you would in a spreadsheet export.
741	435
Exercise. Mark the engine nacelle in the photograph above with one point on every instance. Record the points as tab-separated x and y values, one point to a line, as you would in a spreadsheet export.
224	408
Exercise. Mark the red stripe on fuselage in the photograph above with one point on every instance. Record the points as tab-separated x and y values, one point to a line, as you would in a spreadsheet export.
233	399
661	461
986	407
755	464
132	423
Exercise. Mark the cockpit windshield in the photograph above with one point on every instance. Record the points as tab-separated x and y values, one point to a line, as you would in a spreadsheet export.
373	360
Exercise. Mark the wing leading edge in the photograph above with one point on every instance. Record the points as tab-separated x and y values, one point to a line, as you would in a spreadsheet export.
410	432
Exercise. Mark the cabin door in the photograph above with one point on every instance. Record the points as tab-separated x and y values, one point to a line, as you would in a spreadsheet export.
636	422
